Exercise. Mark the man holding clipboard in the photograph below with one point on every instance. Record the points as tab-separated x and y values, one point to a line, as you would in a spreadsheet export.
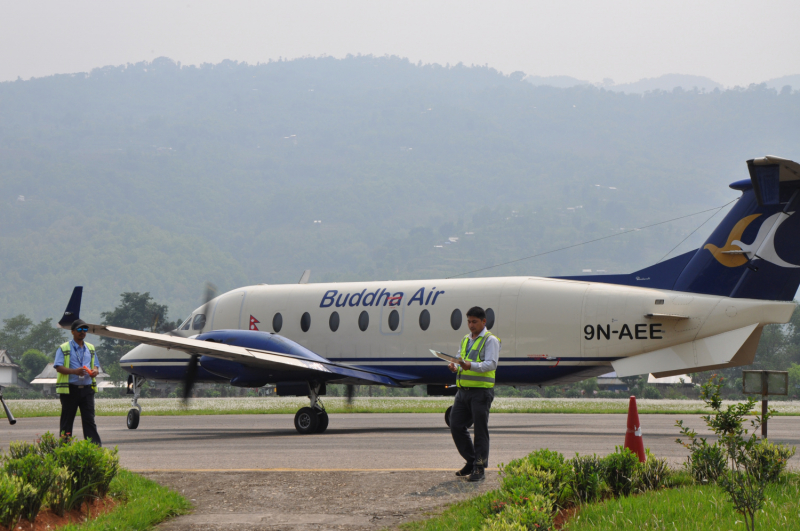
475	370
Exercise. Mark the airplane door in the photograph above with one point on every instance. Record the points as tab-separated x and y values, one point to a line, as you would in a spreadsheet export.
228	311
549	318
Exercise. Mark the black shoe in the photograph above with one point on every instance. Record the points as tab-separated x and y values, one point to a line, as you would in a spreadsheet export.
466	471
477	474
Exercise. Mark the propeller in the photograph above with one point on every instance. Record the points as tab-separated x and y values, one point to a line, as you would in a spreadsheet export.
191	368
9	416
351	389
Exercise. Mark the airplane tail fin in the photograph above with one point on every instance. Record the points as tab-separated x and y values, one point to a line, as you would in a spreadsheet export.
753	253
73	311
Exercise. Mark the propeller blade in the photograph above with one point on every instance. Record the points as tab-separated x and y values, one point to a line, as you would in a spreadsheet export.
191	376
350	392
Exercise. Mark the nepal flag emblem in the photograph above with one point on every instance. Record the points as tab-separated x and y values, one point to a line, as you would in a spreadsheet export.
253	323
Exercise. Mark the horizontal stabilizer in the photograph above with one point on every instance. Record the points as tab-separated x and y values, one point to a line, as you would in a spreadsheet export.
697	355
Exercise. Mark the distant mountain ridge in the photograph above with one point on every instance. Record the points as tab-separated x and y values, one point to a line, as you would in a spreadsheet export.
667	82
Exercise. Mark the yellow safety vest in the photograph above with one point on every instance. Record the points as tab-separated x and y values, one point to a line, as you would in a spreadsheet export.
471	378
62	380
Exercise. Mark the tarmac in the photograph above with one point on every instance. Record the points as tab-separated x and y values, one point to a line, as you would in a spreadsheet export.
368	441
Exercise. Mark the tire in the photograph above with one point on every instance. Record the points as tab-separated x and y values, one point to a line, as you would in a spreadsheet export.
322	416
133	419
306	421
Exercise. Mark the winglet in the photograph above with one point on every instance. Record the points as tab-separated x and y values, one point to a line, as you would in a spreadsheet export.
73	311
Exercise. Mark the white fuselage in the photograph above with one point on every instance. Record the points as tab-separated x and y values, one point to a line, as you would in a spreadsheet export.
542	323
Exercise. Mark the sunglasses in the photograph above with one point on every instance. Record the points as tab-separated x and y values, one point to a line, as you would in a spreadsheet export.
82	329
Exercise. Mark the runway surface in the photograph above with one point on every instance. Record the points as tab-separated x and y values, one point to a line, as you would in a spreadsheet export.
375	441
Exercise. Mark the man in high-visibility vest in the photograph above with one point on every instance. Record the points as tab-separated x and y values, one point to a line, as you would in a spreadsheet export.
77	367
480	351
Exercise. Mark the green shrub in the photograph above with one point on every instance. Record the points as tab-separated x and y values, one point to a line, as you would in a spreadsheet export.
771	459
653	474
707	462
60	496
541	472
587	480
19	449
84	460
535	513
109	467
11	489
38	473
619	471
48	443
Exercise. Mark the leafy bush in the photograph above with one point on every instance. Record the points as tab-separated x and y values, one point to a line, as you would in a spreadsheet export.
11	489
47	443
542	472
653	474
35	472
109	468
587	480
60	496
536	513
619	471
85	461
19	449
771	459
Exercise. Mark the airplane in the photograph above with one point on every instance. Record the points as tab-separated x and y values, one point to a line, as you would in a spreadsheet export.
702	310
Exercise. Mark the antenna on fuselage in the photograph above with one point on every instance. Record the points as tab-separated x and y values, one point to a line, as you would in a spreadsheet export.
305	277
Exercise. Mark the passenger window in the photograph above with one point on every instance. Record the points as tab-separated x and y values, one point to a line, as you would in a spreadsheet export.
199	321
187	323
424	319
277	322
455	319
305	322
394	320
363	321
489	318
333	322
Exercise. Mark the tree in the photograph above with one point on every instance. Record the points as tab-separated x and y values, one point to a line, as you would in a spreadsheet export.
33	362
20	335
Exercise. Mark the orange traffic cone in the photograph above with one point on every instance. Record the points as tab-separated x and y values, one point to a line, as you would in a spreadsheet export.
633	437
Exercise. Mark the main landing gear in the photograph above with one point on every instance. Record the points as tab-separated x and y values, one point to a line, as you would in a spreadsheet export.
447	417
312	419
134	388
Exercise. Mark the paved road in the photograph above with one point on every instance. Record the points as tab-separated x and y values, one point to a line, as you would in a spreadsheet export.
366	441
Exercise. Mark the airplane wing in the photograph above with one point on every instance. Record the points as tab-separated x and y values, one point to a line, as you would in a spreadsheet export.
247	356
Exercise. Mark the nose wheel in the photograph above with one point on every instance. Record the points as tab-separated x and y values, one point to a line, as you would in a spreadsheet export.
134	388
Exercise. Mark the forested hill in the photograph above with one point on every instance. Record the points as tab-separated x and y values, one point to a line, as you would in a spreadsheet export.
157	177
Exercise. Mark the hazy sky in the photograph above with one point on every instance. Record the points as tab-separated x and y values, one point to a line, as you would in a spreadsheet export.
733	42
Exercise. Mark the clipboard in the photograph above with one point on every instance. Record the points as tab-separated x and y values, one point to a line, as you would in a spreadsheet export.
446	357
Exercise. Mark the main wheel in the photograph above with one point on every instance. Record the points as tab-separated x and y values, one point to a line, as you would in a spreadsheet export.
322	416
306	421
133	419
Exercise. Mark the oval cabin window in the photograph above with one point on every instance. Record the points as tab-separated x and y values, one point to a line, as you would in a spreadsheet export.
394	320
305	322
363	321
277	322
489	318
424	319
455	319
333	322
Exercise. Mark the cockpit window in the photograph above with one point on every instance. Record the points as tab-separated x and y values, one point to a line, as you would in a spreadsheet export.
186	324
199	321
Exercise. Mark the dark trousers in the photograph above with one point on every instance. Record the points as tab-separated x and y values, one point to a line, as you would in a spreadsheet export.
83	399
471	406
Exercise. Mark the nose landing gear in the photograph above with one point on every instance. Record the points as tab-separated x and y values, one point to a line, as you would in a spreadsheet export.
134	388
312	419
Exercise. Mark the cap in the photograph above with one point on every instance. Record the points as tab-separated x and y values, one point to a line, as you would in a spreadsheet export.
79	322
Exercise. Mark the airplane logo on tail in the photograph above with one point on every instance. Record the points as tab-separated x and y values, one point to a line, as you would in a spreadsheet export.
735	253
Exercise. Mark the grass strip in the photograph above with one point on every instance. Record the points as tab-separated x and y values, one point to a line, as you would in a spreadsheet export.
704	508
283	405
144	504
701	508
